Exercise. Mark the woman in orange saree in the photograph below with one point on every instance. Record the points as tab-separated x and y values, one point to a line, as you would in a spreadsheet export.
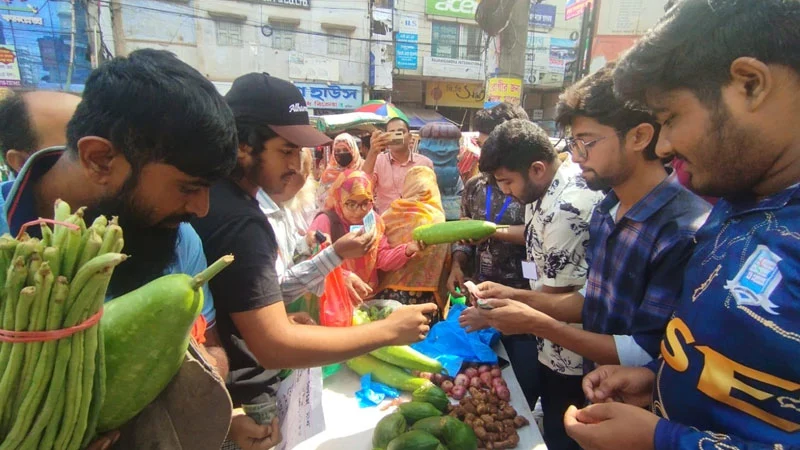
422	279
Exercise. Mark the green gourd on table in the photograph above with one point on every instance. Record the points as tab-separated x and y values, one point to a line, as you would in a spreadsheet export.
385	373
146	335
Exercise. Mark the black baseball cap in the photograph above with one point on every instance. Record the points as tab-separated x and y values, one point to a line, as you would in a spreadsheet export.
276	103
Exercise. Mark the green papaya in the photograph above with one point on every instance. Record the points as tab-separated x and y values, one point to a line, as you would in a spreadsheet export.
455	434
414	440
387	429
433	395
414	411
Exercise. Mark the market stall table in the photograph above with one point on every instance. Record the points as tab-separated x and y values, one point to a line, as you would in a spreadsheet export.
349	427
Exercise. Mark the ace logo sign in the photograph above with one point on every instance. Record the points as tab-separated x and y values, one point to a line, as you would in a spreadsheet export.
462	9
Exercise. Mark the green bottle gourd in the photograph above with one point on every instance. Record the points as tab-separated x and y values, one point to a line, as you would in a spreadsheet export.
146	335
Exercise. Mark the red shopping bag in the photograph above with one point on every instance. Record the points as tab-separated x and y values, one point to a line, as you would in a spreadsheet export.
335	307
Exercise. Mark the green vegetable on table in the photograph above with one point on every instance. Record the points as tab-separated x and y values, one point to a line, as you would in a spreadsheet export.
449	232
407	358
432	394
415	440
387	429
414	411
453	433
385	373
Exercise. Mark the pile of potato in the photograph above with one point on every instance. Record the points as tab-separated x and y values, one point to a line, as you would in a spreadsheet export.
494	420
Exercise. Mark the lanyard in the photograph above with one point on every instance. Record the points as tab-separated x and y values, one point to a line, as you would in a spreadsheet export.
499	215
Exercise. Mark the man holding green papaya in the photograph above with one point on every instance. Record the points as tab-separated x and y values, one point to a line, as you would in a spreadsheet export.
261	340
148	138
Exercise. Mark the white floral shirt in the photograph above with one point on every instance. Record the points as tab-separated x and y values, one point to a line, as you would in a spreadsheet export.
557	235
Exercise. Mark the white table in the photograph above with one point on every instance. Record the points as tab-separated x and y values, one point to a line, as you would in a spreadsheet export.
348	427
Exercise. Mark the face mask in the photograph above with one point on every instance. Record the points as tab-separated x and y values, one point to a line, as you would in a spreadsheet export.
344	159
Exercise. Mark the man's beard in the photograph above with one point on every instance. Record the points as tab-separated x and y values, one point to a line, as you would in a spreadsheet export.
151	247
532	193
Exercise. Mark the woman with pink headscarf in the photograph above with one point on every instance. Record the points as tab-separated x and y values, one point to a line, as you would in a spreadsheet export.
345	156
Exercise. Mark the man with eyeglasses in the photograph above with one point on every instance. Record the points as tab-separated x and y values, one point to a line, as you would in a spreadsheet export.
523	162
723	79
641	236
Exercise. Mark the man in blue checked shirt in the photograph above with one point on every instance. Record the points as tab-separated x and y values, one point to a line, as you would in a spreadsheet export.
641	236
723	78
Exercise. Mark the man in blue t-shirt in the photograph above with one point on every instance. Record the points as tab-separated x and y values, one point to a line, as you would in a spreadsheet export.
148	139
723	79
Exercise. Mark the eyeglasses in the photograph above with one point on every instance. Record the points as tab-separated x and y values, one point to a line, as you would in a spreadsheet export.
353	206
580	148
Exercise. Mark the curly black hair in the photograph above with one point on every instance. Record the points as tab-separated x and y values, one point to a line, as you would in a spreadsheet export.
515	145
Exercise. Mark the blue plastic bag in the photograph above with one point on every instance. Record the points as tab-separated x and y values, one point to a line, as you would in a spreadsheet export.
452	345
373	393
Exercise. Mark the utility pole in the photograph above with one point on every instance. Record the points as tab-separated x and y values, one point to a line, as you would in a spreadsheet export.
514	40
72	31
116	26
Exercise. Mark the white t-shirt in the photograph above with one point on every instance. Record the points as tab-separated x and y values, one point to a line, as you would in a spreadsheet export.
557	234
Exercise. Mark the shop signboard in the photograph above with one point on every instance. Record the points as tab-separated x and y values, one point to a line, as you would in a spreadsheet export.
453	68
334	96
542	16
290	3
9	66
406	48
460	9
547	59
455	94
574	8
504	89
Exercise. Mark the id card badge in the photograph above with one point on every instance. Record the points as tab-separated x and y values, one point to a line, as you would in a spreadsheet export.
529	270
354	228
485	263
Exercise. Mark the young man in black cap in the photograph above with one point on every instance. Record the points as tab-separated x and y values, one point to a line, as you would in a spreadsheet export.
258	335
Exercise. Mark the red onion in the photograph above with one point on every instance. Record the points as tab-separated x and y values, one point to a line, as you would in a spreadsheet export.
447	386
462	380
471	372
458	392
496	373
475	382
498	382
486	379
484	368
503	393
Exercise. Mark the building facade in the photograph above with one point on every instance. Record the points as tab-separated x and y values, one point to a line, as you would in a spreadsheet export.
45	44
320	45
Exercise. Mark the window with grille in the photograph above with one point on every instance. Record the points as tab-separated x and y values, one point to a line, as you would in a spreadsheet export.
472	40
456	41
283	37
444	42
339	44
229	34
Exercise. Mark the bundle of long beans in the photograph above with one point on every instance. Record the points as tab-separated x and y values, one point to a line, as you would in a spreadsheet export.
52	378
